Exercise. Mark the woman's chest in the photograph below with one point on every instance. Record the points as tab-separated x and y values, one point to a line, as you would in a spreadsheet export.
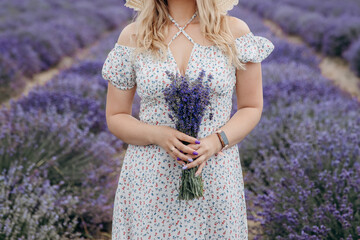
151	77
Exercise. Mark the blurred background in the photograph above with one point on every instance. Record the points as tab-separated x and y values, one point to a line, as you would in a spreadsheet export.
59	164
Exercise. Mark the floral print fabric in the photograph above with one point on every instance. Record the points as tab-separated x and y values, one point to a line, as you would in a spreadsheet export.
253	48
146	205
118	68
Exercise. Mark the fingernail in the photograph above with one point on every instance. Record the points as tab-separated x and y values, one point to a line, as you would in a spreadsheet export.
197	142
184	167
190	160
178	158
195	153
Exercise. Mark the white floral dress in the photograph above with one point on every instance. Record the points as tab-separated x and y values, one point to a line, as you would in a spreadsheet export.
146	205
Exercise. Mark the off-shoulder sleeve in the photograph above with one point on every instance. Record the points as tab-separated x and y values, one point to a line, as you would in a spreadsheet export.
118	67
253	48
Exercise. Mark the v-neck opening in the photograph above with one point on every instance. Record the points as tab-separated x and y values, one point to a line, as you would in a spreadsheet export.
182	30
188	63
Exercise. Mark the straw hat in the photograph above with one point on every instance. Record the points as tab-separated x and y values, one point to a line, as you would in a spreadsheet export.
223	5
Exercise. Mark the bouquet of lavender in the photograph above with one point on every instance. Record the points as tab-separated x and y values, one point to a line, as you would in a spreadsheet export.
188	101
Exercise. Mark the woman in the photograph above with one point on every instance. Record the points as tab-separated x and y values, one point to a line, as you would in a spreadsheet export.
196	34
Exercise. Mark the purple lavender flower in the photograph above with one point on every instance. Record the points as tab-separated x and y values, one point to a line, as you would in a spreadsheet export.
188	101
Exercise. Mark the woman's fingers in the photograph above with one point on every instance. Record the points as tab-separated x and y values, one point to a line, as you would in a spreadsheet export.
187	138
178	155
194	146
199	150
198	172
177	159
195	163
180	152
184	148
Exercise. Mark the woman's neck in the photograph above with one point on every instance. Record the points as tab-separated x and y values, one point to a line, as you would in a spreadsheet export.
182	10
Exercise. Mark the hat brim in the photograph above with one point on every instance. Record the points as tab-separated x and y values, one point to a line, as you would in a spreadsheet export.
223	5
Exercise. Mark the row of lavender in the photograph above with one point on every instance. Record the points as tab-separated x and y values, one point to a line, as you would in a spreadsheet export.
59	164
302	162
35	35
330	8
329	27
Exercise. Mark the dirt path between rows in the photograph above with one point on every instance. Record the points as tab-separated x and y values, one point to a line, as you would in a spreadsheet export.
335	69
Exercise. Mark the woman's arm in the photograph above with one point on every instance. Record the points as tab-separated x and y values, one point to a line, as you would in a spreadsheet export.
120	121
249	104
249	94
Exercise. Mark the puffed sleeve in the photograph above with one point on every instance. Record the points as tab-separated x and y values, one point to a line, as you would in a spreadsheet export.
253	48
118	67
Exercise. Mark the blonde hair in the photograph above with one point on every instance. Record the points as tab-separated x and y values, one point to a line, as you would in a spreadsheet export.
151	28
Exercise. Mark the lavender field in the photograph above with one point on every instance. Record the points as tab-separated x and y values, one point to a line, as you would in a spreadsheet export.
35	35
331	27
60	165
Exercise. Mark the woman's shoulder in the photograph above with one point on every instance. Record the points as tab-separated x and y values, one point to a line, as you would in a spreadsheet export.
125	37
250	47
238	27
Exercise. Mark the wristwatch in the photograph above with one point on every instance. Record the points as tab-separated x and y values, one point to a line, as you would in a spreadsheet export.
223	139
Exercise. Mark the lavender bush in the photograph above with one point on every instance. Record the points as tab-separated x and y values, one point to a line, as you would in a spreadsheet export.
328	8
309	189
32	208
339	38
86	111
84	161
353	56
302	146
188	101
8	71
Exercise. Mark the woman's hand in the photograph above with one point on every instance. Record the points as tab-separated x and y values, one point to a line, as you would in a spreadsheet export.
209	146
170	139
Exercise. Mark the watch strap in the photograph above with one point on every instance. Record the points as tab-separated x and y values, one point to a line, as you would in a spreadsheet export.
223	139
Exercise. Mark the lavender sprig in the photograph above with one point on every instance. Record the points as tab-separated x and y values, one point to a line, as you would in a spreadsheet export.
188	101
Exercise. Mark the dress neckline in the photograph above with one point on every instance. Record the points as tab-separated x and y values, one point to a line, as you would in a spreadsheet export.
193	49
